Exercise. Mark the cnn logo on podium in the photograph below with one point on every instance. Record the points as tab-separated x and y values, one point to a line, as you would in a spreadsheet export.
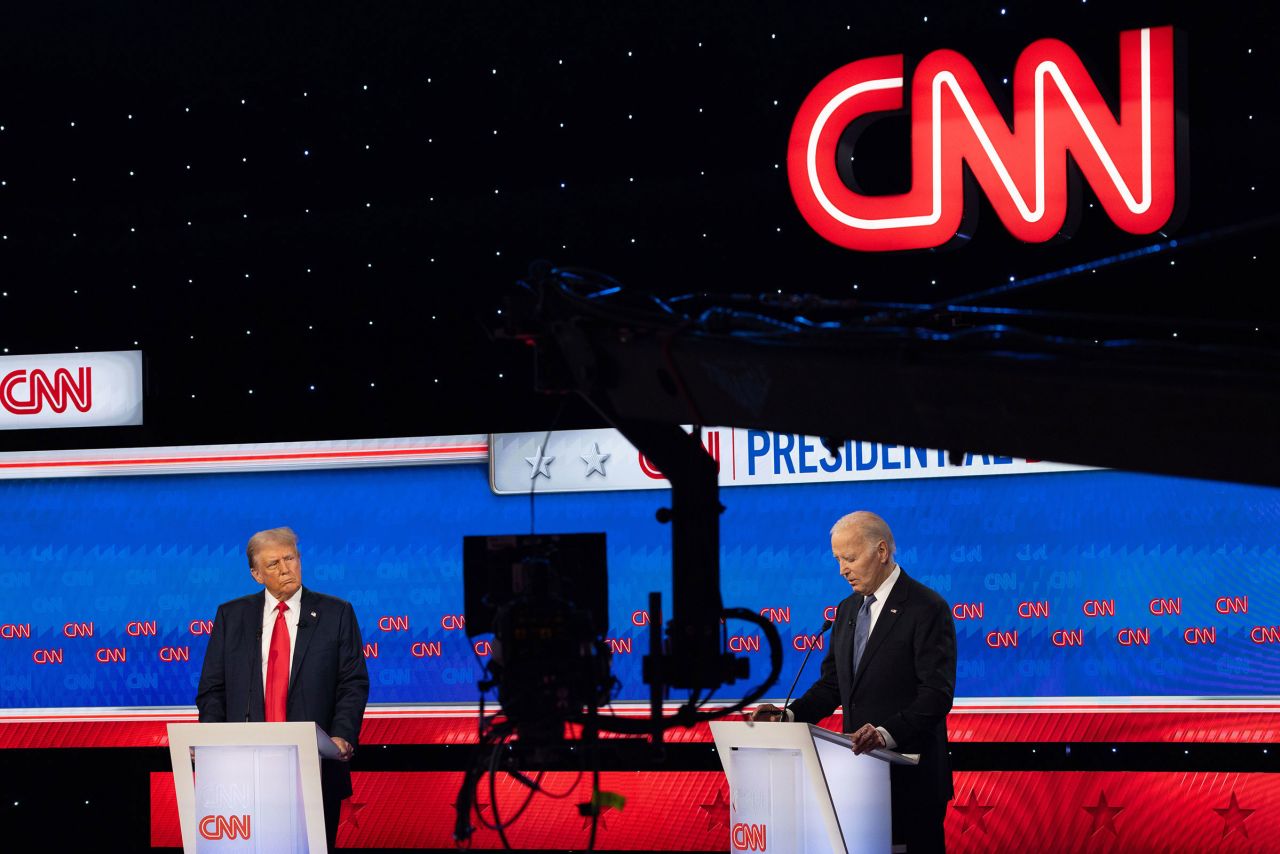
749	837
215	827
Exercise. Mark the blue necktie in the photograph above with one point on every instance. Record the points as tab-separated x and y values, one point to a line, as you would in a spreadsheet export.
861	631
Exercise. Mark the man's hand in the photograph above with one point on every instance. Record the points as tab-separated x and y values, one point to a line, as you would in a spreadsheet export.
345	750
866	739
766	712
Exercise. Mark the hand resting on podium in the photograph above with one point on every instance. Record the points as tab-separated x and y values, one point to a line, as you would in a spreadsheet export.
767	713
866	739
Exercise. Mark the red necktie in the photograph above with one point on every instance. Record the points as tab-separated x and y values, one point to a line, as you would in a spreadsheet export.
278	667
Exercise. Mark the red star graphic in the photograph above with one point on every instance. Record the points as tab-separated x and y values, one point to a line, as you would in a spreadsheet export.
717	811
1103	815
350	809
1233	817
974	813
603	825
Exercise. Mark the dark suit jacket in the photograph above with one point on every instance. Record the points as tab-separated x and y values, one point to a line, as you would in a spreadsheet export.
905	684
328	683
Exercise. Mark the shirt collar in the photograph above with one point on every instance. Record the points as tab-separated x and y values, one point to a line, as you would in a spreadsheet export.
294	602
885	588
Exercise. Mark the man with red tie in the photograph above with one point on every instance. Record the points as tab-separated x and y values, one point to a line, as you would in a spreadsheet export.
288	654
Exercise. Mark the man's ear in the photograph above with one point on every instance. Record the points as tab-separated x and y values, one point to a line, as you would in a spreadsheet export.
257	576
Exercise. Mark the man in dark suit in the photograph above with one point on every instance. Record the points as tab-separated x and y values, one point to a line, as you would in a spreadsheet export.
891	665
288	654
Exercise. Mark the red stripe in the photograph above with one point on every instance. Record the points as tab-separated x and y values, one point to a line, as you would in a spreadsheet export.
311	455
733	451
1118	726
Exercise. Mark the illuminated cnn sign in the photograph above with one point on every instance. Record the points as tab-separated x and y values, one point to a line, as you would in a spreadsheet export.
1057	109
70	390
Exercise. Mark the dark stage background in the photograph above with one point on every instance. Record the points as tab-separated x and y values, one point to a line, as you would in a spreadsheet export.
326	203
308	216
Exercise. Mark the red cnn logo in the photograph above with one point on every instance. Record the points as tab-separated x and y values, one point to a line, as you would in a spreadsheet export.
393	624
225	827
1057	109
39	390
749	837
711	442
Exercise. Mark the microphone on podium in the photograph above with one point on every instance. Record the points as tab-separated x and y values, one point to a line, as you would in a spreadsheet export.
826	624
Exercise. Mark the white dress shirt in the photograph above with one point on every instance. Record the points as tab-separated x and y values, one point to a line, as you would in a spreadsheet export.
269	625
882	595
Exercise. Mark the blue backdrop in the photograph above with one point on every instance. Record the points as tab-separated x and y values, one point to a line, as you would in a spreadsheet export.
120	557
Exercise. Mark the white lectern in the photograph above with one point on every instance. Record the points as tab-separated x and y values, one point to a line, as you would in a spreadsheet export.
255	787
797	787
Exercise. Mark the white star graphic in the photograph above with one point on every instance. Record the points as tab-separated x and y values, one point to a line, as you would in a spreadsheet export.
541	465
595	460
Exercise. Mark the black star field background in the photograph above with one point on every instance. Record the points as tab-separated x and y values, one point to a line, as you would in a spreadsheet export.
307	217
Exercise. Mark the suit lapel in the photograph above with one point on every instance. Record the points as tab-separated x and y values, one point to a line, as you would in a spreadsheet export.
257	699
308	617
885	622
842	643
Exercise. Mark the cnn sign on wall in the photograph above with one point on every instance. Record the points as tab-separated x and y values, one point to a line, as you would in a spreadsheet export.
71	390
1130	161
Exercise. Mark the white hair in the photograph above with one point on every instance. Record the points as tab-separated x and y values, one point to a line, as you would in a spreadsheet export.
870	526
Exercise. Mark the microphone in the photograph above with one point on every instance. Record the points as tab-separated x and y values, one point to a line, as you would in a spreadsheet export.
257	660
826	624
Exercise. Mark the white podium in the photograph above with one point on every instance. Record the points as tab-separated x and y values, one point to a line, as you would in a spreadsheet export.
255	787
797	787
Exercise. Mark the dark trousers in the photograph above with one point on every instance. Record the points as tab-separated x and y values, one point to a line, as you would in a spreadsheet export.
919	826
332	813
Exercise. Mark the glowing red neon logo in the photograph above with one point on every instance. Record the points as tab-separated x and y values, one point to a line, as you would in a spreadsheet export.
41	390
1129	164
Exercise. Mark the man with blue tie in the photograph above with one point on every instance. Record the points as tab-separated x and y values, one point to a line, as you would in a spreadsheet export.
288	654
891	665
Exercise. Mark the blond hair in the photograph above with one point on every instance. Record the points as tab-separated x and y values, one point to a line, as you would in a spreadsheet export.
271	535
